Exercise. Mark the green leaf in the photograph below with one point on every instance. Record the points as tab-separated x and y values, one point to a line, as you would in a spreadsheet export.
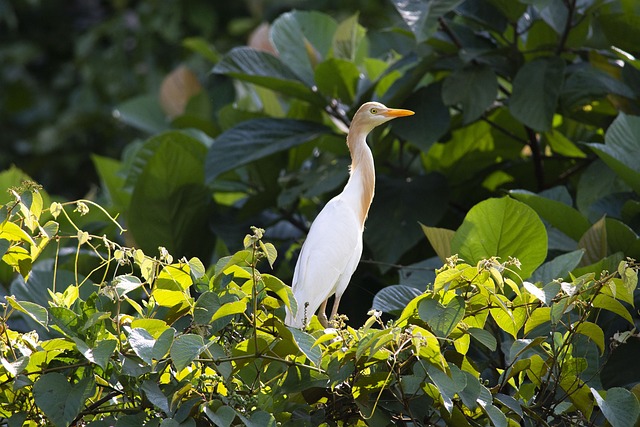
125	284
620	407
264	69
392	228
283	291
536	89
170	205
60	401
558	214
112	181
594	243
142	343
33	310
422	16
503	228
562	145
153	393
393	299
622	28
222	417
305	343
440	240
621	147
442	319
591	331
431	120
557	268
143	113
447	385
230	308
255	139
485	337
337	78
473	88
185	349
100	353
611	304
349	39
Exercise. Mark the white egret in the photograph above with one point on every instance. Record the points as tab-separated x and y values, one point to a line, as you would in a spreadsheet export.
333	247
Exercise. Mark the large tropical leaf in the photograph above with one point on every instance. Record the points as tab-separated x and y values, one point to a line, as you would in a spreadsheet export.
536	89
264	69
473	88
422	15
170	204
503	228
621	149
255	139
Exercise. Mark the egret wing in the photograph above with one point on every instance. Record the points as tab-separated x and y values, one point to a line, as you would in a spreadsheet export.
326	258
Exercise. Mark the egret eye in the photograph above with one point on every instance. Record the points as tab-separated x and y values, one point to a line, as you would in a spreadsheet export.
373	111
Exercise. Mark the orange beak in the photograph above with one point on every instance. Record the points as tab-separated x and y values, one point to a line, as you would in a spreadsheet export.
397	112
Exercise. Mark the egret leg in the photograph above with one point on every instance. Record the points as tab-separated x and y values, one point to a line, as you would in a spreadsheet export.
336	303
322	315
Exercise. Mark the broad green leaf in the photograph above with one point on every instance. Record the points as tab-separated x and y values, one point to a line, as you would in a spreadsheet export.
143	113
611	304
557	268
563	217
536	89
112	181
125	284
485	337
16	367
440	240
422	16
255	139
185	349
431	120
562	145
60	401
393	299
620	407
442	319
222	417
349	40
264	69
503	228
594	243
337	78
471	391
622	27
100	353
283	291
393	225
170	205
591	331
294	49
142	343
598	183
33	310
230	308
153	393
473	88
586	85
447	385
305	343
621	147
539	316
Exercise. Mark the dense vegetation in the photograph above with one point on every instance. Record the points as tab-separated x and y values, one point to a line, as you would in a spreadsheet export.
500	247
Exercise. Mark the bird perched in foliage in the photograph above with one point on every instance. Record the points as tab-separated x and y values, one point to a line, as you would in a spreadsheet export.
333	247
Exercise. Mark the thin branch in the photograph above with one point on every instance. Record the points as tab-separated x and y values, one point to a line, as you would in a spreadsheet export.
571	7
536	153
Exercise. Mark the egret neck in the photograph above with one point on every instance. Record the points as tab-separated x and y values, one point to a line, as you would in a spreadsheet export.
362	177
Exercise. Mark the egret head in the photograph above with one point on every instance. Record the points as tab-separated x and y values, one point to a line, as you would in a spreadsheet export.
372	114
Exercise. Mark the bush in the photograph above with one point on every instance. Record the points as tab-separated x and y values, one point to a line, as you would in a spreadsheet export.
156	341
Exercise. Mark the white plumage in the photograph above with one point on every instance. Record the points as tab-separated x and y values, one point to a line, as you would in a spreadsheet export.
333	247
